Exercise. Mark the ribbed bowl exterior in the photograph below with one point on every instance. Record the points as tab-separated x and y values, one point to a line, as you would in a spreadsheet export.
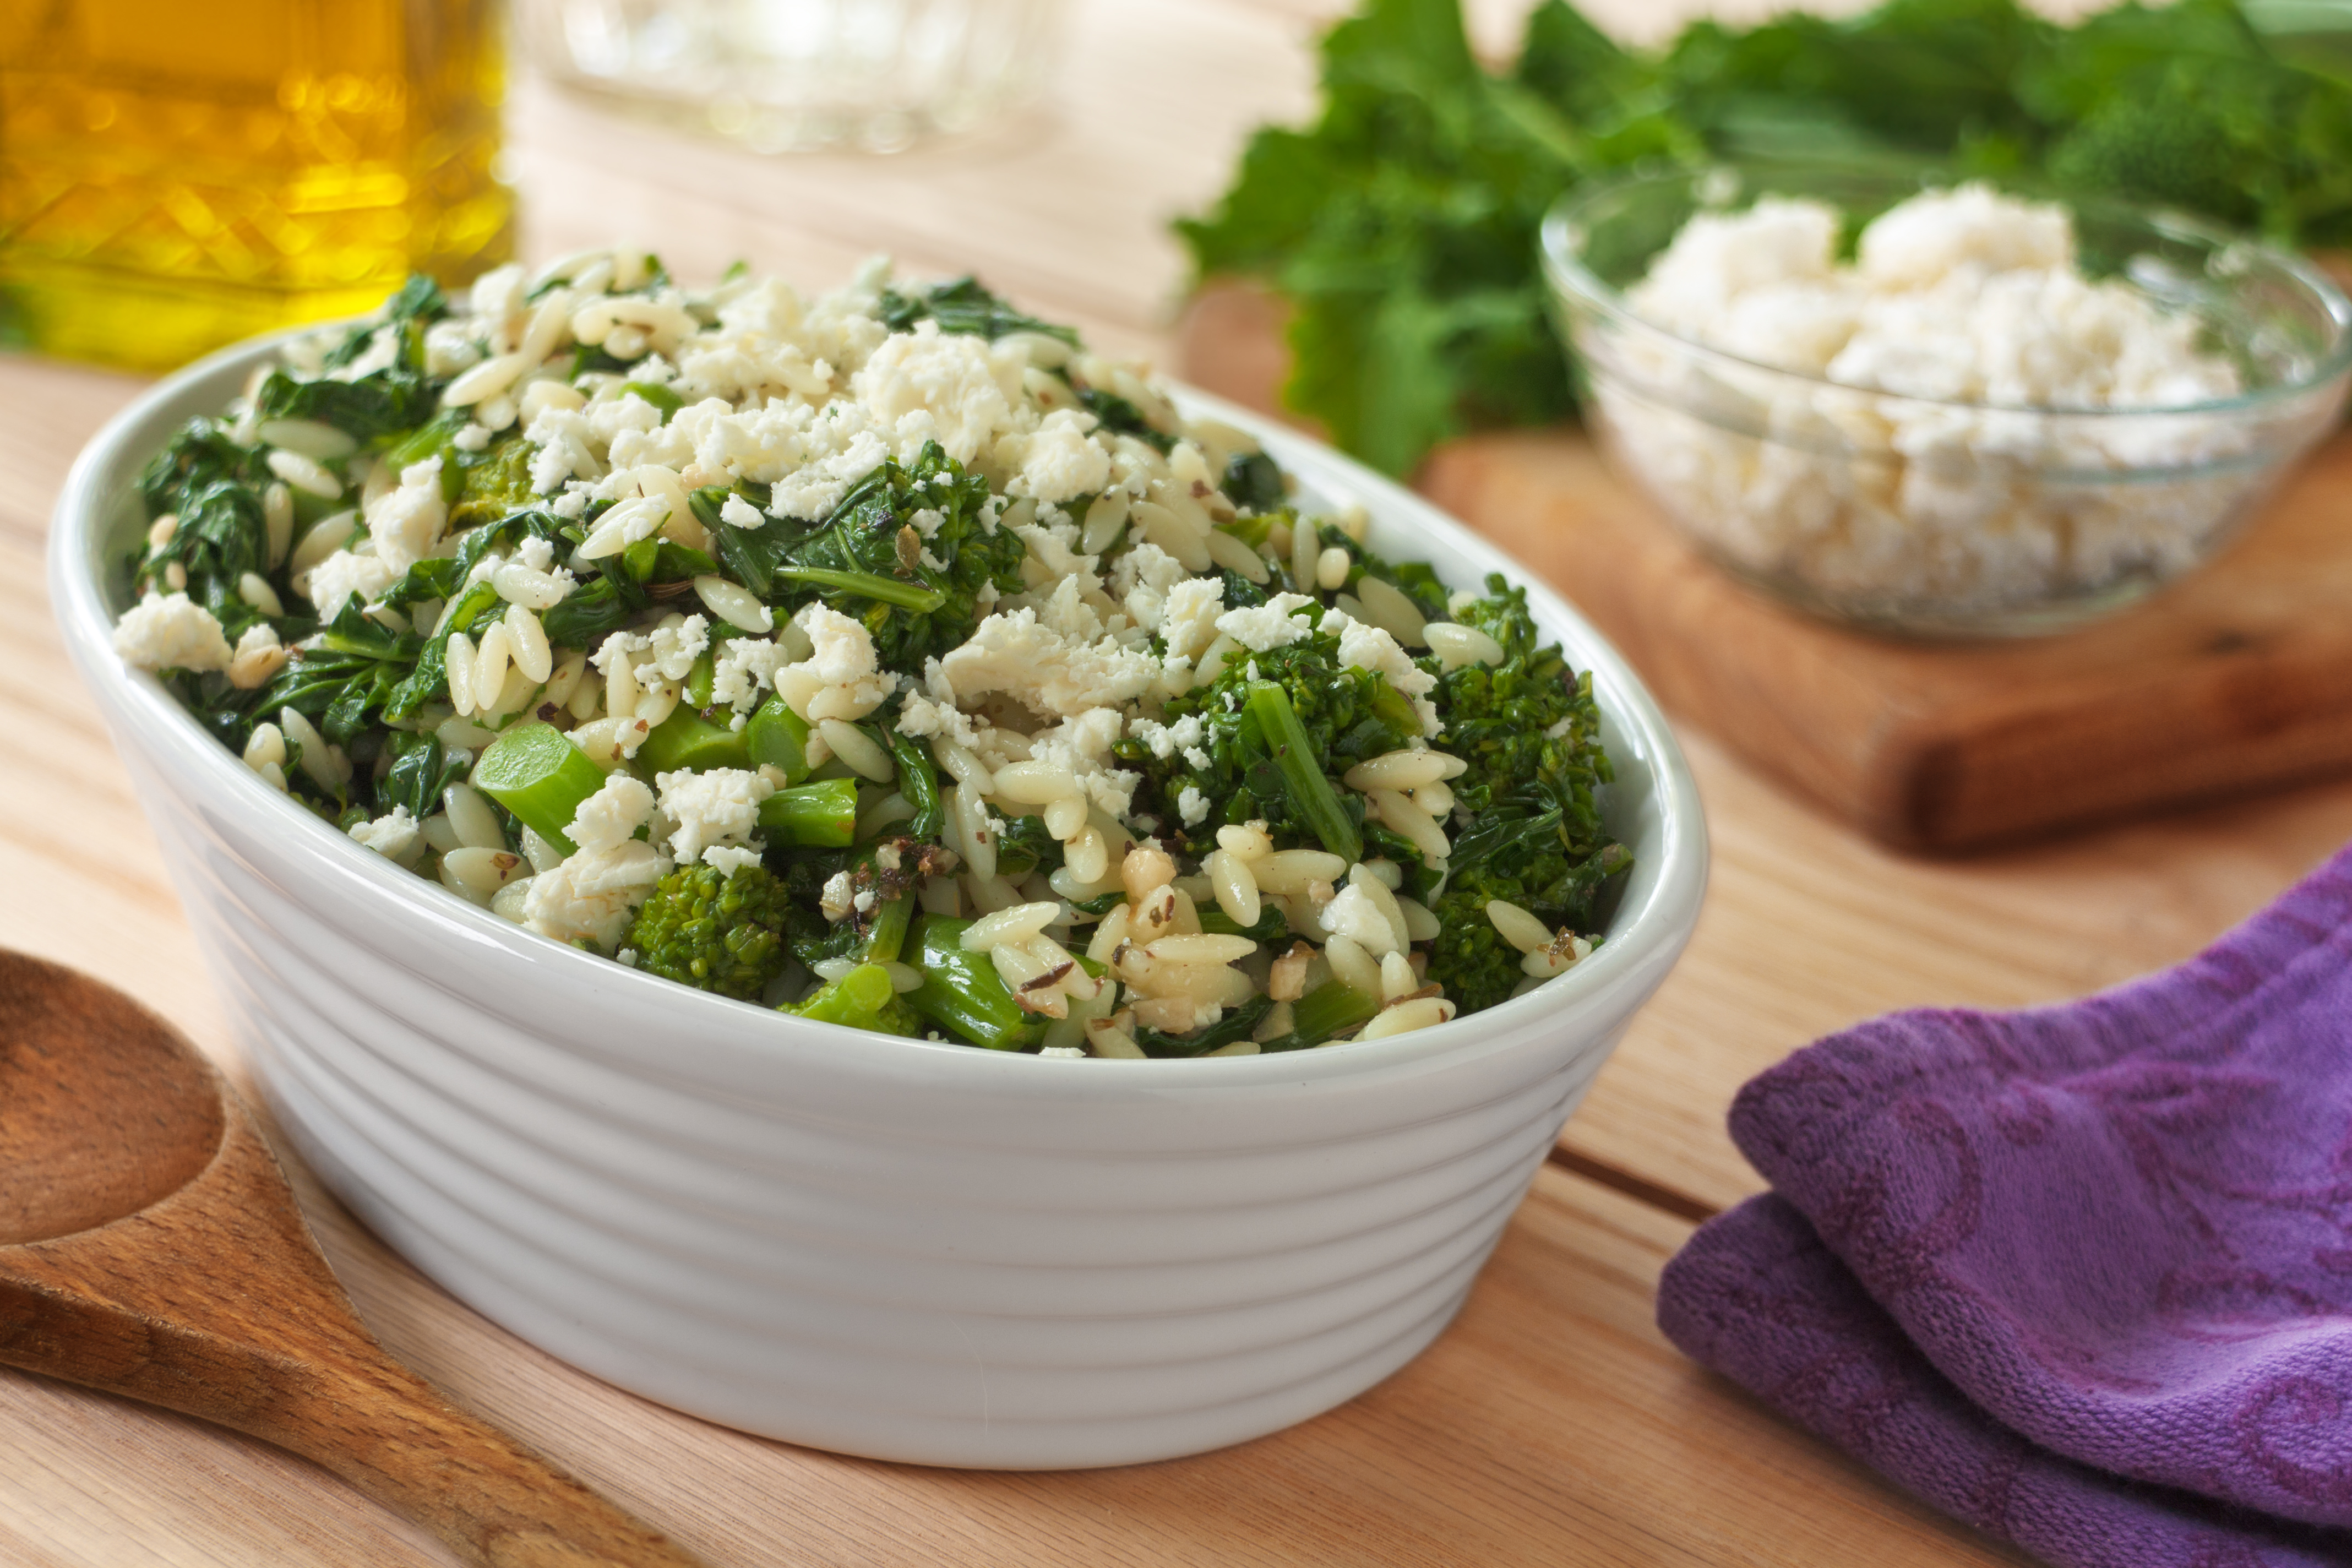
896	1249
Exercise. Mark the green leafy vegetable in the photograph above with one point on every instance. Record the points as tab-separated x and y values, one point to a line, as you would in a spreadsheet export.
1401	226
963	306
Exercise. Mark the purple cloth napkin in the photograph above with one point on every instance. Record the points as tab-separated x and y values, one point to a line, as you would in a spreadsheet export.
2082	1275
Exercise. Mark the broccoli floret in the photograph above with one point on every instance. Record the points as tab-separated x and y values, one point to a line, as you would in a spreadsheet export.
715	932
1345	714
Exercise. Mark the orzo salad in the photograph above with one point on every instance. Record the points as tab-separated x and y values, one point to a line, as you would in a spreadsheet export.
885	657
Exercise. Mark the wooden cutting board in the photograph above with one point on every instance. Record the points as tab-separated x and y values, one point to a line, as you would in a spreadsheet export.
2237	678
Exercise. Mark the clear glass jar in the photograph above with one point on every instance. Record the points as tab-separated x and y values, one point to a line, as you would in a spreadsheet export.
800	75
177	176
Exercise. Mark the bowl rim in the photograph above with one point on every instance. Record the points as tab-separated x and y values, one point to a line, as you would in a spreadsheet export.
1569	278
1652	933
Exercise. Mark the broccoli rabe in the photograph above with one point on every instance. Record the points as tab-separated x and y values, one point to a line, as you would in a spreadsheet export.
1530	721
1528	829
1344	714
713	931
908	552
1520	860
862	999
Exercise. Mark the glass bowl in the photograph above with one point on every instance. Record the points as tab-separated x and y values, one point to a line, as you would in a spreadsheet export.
1931	518
795	76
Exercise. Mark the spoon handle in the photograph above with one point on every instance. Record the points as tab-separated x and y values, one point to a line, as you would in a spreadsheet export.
492	1500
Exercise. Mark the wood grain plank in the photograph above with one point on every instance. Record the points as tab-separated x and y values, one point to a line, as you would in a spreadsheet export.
1552	1425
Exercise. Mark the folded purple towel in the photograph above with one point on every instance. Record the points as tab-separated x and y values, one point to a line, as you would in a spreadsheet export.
2121	1229
1757	1298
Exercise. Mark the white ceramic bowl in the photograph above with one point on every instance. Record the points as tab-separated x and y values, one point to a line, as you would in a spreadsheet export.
884	1247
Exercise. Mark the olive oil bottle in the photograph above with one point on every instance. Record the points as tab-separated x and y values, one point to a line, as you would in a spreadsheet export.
176	174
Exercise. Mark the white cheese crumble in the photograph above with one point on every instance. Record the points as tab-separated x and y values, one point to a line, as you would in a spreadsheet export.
1353	914
406	521
393	835
718	807
171	631
613	814
1274	624
1044	670
841	677
340	577
592	896
1835	480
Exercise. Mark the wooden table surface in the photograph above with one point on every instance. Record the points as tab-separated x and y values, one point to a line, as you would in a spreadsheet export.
1550	1425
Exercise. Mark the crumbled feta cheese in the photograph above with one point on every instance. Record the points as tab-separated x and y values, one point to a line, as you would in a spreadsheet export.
1272	625
1061	1050
728	858
406	521
665	653
592	896
171	631
1364	647
470	438
1969	301
342	576
1190	623
954	388
836	899
745	667
719	806
1014	653
737	512
1193	806
1141	578
840	679
613	814
1082	744
1353	914
392	835
1057	462
923	715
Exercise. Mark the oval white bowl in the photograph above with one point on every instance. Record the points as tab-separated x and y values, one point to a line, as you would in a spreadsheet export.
883	1247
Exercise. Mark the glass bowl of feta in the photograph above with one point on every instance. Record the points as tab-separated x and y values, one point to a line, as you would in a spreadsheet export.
1939	408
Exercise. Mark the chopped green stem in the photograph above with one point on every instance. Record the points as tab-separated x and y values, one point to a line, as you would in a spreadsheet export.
889	938
812	817
918	780
698	681
1294	757
962	992
857	999
535	772
687	740
866	584
778	738
1331	1008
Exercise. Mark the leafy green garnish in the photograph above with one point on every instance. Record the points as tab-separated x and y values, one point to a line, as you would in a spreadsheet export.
1401	227
963	306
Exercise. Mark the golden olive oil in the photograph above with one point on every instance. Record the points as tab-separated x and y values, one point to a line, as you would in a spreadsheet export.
176	174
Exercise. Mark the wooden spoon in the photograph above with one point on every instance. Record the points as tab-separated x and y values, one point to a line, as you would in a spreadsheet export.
150	1247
